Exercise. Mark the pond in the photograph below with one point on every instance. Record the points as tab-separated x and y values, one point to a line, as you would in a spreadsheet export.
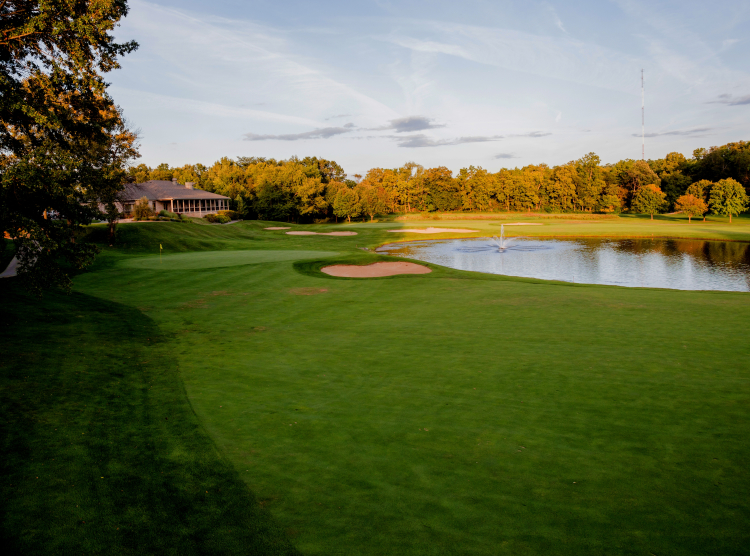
653	263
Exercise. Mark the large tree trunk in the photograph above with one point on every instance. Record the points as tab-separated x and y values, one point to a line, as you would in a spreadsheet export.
652	216
730	217
112	225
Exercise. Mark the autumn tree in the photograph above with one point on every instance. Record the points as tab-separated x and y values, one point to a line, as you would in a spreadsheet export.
161	173
442	189
630	176
373	199
674	172
649	200
700	189
728	197
310	196
589	183
690	205
476	187
56	126
347	204
560	190
138	174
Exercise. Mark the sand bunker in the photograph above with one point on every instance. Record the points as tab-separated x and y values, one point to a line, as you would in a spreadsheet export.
431	230
278	228
375	270
322	233
522	224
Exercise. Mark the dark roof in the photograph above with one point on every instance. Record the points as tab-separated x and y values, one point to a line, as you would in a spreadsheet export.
156	190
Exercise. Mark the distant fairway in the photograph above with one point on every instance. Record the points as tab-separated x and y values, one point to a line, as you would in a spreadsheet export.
219	259
452	412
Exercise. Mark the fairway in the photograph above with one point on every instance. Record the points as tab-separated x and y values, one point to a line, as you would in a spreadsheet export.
219	259
453	412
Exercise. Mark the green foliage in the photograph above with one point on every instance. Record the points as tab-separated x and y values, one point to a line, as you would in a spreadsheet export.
728	198
63	142
590	183
161	173
441	190
649	199
231	214
728	161
630	176
138	174
560	189
373	199
700	189
55	50
142	209
219	218
347	204
243	210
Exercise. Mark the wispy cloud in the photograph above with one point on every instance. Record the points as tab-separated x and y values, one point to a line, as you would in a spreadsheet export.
501	156
323	133
214	109
532	134
420	140
555	17
338	116
559	57
409	124
730	100
695	132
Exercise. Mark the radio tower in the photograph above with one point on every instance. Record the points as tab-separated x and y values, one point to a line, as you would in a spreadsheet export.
643	120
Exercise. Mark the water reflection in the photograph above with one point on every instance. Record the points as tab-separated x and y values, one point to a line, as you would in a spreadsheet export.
673	263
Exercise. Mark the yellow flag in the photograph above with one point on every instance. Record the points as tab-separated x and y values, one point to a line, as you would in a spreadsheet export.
160	247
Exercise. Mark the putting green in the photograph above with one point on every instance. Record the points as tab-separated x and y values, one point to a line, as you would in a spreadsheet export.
219	259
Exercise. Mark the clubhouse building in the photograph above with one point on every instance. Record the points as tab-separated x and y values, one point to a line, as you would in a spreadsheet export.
174	197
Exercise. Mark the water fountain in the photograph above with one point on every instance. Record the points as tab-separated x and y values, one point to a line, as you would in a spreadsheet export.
500	242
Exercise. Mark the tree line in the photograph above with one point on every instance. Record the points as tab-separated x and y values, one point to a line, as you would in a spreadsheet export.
312	188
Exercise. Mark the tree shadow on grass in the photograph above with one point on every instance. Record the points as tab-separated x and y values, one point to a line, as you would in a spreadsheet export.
102	452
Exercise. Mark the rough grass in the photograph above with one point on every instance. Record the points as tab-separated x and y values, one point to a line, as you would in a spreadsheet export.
448	413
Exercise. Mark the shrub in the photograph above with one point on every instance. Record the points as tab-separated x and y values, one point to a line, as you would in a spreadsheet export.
168	214
217	218
141	209
232	214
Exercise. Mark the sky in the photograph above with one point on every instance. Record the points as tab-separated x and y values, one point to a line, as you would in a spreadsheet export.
377	83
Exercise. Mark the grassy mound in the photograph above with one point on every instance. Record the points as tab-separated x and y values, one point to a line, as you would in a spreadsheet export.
102	453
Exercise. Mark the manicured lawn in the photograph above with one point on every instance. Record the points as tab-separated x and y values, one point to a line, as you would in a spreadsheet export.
448	413
101	451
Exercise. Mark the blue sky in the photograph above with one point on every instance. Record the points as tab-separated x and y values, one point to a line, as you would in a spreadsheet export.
485	83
